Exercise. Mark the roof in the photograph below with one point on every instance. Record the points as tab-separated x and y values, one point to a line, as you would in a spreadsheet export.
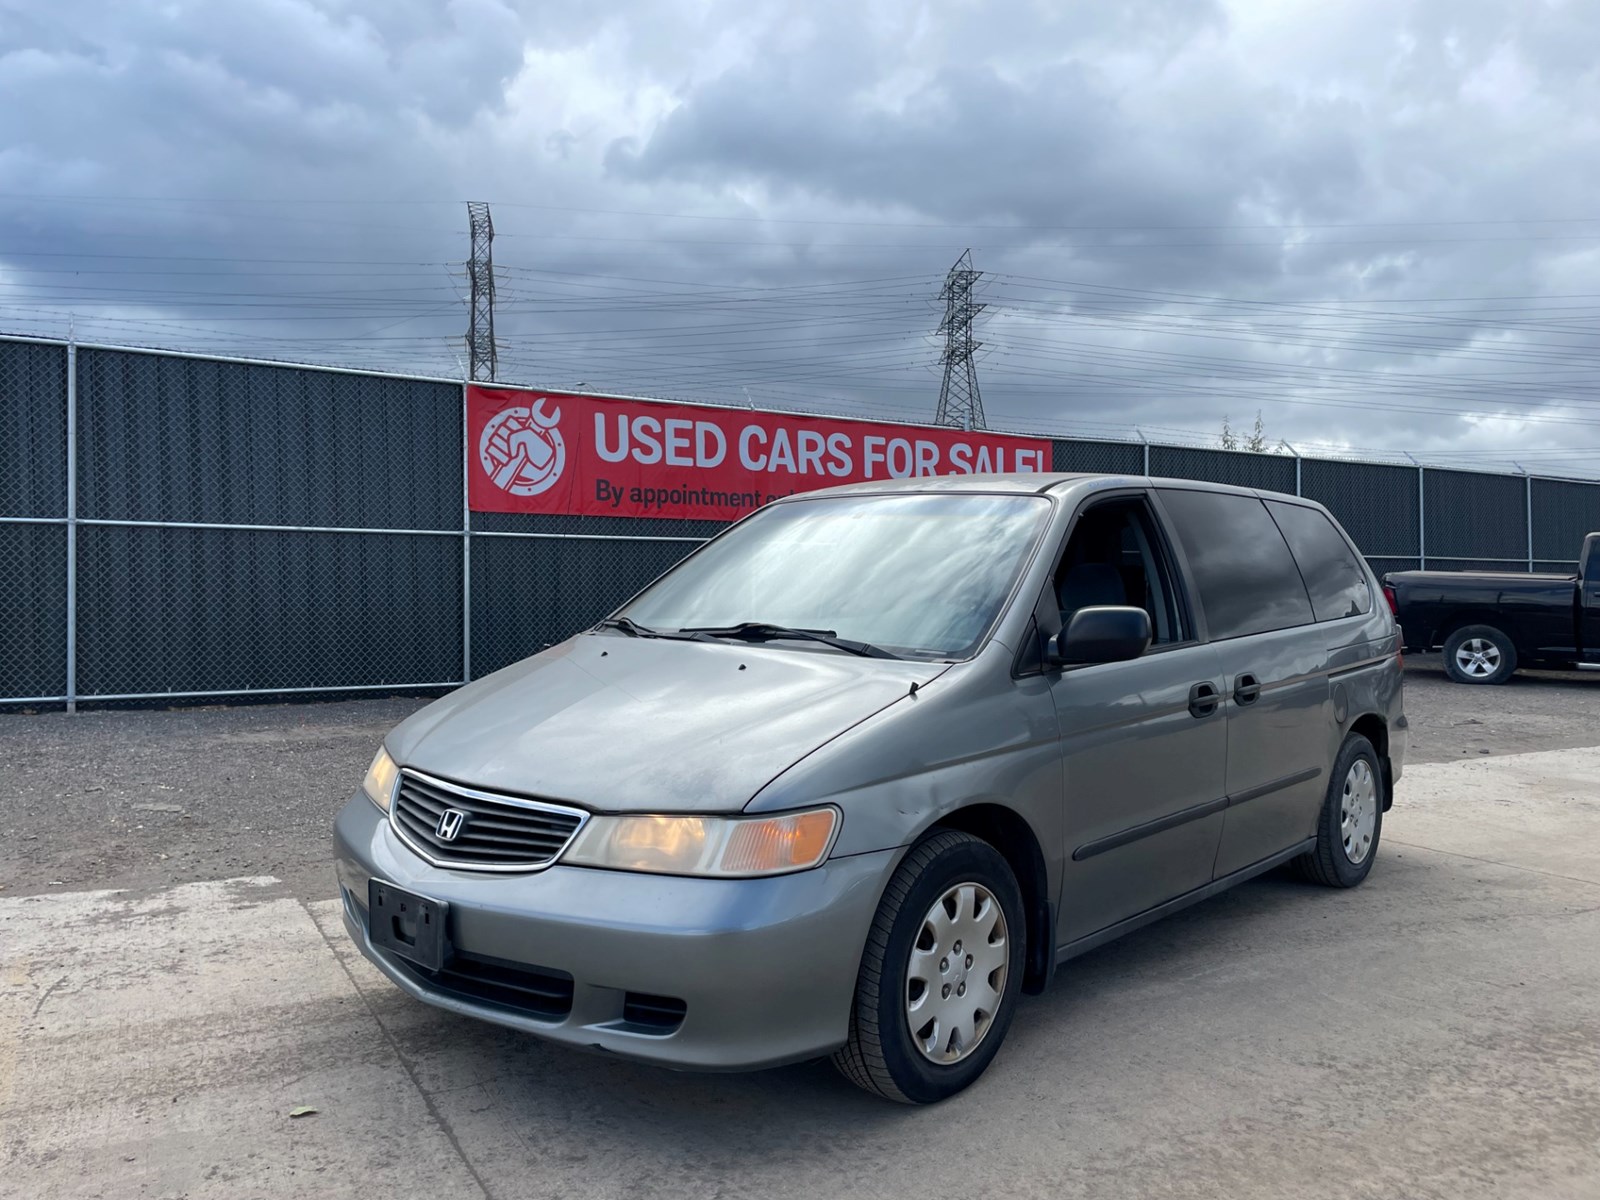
1026	483
1020	483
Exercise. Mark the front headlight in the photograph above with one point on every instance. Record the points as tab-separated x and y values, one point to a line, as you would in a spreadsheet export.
382	775
726	847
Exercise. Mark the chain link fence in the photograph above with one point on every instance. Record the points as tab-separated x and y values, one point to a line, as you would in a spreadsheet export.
1563	512
33	537
185	526
163	438
531	591
1240	468
33	610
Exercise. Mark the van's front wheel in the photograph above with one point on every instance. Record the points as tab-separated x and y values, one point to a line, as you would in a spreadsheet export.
940	974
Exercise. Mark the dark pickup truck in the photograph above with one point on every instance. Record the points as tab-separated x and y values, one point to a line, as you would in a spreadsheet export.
1490	623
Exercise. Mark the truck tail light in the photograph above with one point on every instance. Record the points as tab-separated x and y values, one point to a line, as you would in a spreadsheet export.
1394	604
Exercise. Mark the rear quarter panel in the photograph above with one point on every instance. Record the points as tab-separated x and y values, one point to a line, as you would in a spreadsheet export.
1366	680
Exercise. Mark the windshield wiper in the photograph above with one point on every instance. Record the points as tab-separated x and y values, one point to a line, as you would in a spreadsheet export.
765	630
628	626
632	628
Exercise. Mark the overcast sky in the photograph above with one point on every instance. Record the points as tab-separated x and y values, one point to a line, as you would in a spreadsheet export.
1372	221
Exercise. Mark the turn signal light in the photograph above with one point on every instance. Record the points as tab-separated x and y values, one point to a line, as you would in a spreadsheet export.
778	843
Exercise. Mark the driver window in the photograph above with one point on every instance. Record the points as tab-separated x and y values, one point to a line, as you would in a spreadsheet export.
1115	557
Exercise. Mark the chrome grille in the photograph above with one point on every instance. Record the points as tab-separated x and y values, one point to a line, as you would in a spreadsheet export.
496	833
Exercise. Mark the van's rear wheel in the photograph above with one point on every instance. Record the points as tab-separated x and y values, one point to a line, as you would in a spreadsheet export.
1479	654
1351	820
940	974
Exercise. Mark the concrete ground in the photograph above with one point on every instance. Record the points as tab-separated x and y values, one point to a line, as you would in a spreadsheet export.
1434	1033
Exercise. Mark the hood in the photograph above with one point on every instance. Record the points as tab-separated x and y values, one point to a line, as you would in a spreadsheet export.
643	724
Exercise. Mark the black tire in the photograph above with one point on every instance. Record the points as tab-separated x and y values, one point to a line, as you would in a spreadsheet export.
882	1055
1497	644
1329	863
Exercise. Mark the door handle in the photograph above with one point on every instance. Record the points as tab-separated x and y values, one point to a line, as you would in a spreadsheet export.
1246	689
1203	700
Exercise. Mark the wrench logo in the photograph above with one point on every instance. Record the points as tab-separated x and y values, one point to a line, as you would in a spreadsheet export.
521	449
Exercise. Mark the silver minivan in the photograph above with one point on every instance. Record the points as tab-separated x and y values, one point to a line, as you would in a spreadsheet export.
877	759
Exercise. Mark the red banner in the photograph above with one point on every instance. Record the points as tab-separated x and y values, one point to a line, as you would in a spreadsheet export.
545	452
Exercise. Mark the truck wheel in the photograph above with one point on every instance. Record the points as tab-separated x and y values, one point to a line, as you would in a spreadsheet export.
1479	654
940	974
1351	820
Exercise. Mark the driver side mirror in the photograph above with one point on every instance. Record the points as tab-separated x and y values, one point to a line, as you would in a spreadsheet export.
1101	634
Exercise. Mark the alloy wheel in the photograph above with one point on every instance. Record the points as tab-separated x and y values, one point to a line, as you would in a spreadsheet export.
1478	657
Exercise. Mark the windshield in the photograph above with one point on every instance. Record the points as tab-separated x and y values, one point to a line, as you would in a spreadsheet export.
917	574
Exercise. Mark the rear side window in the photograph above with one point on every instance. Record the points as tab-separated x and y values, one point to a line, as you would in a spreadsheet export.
1337	584
1247	578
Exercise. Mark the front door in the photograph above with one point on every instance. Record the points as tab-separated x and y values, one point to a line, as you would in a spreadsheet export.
1144	743
1145	784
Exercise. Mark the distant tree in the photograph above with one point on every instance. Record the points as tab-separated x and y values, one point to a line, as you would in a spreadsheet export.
1229	439
1257	442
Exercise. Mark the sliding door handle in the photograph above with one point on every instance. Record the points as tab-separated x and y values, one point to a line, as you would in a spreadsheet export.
1203	699
1246	689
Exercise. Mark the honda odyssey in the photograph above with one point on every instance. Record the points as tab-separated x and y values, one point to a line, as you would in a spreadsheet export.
877	759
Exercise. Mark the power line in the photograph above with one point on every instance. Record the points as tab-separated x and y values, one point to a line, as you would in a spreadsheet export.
592	210
1511	358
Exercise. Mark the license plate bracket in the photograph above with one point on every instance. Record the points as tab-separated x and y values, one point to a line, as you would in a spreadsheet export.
411	926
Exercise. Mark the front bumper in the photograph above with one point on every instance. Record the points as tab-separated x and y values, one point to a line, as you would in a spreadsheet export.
766	968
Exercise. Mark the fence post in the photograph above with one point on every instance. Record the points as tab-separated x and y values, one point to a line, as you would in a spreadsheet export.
1422	515
72	525
1284	442
1527	504
466	546
1146	443
1422	518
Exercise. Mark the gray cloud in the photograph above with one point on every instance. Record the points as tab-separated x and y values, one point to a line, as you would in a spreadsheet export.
1356	218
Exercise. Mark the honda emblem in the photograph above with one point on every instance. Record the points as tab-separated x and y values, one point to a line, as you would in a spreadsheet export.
451	823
